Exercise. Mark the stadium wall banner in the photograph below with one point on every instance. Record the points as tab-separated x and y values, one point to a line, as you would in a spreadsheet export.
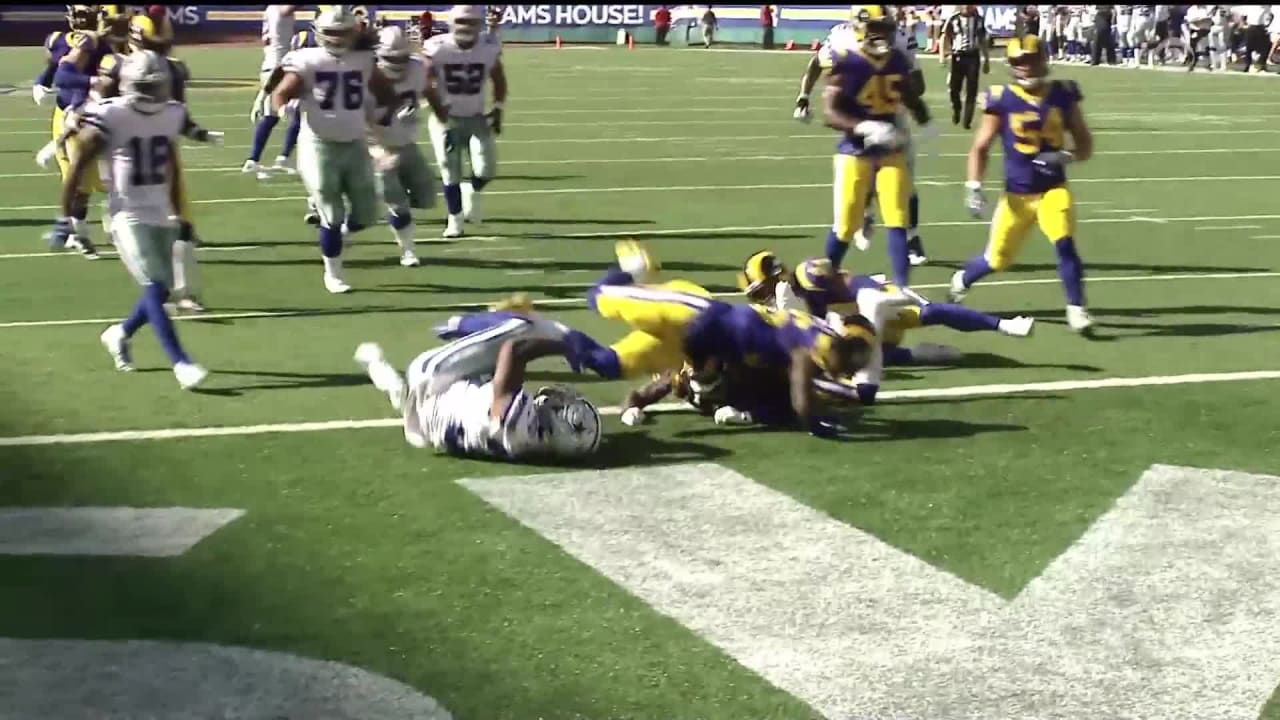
29	24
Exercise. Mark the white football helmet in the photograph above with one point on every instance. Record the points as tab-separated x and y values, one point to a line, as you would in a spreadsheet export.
336	28
393	51
574	423
145	82
466	22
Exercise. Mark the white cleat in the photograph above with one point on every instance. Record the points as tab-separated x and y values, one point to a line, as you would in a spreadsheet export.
409	259
635	260
336	285
453	227
1079	320
470	203
117	345
934	354
189	375
250	166
916	259
958	289
284	165
189	304
1021	326
384	377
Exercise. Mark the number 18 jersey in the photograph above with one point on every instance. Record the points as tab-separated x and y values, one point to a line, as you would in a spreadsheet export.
1029	125
334	92
139	150
461	72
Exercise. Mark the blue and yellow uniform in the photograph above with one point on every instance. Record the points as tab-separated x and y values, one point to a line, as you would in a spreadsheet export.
69	99
870	85
1030	124
304	39
756	336
658	315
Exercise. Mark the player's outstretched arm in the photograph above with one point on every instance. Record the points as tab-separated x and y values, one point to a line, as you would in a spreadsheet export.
980	151
802	372
913	98
288	89
513	358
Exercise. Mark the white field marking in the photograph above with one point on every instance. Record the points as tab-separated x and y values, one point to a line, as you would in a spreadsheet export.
1164	608
1265	237
719	188
220	248
329	425
84	679
570	302
524	272
121	531
776	136
709	159
1127	210
1229	227
481	249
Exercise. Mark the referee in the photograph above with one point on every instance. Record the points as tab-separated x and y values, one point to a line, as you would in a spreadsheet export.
964	43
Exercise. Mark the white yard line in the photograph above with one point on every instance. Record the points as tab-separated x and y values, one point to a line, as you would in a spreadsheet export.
943	392
220	248
571	301
720	188
1229	227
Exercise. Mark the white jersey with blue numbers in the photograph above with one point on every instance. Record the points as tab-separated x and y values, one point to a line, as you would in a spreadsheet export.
413	84
335	90
461	73
457	421
139	154
277	29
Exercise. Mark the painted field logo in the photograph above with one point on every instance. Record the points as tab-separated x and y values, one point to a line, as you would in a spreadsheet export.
1166	608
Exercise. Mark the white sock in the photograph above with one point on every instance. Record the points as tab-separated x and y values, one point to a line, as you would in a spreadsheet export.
333	266
404	237
184	269
384	376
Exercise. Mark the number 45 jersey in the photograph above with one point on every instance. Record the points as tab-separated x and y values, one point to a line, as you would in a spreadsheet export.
870	88
461	72
1029	125
334	92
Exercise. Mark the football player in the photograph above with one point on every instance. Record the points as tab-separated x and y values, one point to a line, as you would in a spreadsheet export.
76	76
867	84
135	134
1033	116
468	398
818	288
277	32
332	84
145	34
461	63
403	176
905	43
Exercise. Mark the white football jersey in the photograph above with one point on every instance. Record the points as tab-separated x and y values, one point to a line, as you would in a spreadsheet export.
413	84
1221	16
457	421
335	90
461	72
277	31
905	42
140	148
1162	13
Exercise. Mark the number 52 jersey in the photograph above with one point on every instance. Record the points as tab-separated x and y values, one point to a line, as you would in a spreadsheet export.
461	72
1029	125
334	91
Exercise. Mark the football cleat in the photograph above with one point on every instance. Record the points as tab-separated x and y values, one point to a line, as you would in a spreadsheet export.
189	375
47	154
1079	320
114	340
1020	326
190	304
384	377
284	165
635	260
250	166
958	289
452	227
915	252
633	416
409	259
335	285
84	245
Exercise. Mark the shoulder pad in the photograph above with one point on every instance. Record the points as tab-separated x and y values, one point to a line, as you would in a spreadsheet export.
82	39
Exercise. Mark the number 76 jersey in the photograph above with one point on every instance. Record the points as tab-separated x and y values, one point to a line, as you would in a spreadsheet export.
1029	125
461	72
334	92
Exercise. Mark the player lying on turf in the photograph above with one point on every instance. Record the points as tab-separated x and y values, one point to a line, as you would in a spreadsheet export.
821	289
468	397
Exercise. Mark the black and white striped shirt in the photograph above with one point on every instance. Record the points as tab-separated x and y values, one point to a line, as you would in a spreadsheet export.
967	33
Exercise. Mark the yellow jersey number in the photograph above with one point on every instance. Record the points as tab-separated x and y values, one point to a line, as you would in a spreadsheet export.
881	94
1030	140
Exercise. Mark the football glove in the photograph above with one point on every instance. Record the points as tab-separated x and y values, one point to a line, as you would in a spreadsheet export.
878	134
60	234
975	201
802	111
632	416
1052	162
258	109
288	109
215	137
40	93
728	415
407	112
495	119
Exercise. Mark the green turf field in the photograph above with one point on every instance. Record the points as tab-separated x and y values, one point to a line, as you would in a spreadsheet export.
355	548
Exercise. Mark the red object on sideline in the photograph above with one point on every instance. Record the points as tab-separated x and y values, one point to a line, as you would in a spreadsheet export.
631	41
662	18
791	44
559	42
766	16
815	46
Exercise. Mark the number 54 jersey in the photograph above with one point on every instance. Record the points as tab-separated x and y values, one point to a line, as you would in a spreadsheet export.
334	92
1029	125
461	72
